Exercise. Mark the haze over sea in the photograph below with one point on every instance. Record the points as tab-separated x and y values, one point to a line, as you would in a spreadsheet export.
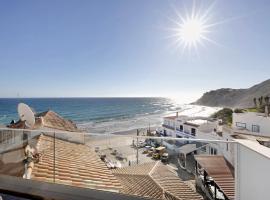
105	115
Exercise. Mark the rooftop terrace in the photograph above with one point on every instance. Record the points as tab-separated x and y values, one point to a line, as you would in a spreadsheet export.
82	165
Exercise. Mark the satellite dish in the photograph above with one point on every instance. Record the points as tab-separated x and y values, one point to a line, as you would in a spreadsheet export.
26	115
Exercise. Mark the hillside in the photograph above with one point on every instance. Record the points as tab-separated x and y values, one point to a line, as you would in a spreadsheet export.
235	98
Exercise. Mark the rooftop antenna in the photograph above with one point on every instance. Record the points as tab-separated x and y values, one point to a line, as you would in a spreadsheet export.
26	115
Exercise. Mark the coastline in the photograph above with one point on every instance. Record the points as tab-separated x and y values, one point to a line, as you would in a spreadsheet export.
102	139
134	131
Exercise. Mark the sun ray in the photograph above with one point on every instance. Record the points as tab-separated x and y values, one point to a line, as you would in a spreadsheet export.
192	29
177	13
211	41
205	16
222	22
193	9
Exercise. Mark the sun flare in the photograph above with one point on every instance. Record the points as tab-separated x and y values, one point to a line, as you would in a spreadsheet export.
192	29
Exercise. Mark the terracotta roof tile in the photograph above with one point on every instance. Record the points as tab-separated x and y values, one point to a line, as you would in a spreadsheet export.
49	120
75	164
220	170
154	180
142	169
172	184
55	121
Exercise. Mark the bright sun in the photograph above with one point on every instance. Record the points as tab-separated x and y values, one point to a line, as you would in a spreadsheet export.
193	29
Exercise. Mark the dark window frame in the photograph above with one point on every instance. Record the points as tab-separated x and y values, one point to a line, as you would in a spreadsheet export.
255	130
240	125
181	127
193	131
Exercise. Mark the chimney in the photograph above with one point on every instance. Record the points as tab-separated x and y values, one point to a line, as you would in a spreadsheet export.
266	111
176	114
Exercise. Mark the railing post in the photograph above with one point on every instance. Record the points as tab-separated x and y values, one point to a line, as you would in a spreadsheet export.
54	157
236	171
137	155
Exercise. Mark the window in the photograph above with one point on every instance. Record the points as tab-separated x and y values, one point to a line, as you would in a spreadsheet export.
241	125
193	131
213	151
255	128
181	127
203	149
165	132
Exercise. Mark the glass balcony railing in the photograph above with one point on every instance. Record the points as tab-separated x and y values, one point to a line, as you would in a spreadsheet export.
167	126
127	166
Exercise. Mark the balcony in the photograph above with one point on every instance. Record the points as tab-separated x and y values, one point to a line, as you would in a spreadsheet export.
184	134
70	165
167	126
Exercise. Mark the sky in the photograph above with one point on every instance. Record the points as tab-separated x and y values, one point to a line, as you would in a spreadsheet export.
123	48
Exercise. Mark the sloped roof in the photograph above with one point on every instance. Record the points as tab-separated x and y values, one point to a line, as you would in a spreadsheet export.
140	185
218	168
75	164
49	120
154	180
55	121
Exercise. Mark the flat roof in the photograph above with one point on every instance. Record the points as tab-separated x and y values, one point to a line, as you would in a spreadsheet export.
191	124
255	146
198	121
171	117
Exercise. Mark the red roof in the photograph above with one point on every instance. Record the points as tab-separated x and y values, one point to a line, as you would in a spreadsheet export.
75	164
220	170
154	180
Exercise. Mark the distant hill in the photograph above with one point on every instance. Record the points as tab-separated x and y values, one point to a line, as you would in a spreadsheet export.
235	98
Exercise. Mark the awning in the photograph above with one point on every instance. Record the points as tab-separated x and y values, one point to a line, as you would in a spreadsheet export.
160	148
220	171
187	148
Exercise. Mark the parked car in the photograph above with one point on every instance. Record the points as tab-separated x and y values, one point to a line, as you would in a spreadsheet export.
141	144
146	149
165	157
151	151
158	152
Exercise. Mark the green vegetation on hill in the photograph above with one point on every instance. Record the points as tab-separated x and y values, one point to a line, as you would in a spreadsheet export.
252	109
259	106
225	114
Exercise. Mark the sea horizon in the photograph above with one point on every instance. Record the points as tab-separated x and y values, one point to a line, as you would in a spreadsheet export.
104	114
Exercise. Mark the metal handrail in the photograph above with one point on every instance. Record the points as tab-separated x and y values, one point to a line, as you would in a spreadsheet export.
122	135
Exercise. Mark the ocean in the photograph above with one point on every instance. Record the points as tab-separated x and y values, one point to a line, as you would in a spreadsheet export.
105	115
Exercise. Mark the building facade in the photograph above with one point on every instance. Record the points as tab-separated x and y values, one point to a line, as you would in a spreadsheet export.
252	123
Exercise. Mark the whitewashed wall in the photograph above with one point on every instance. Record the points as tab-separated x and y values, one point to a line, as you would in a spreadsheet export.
253	171
251	118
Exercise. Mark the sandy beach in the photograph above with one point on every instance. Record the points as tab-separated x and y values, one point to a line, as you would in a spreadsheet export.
124	146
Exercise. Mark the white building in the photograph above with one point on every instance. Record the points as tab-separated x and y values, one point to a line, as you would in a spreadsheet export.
252	123
252	176
194	128
248	125
186	127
